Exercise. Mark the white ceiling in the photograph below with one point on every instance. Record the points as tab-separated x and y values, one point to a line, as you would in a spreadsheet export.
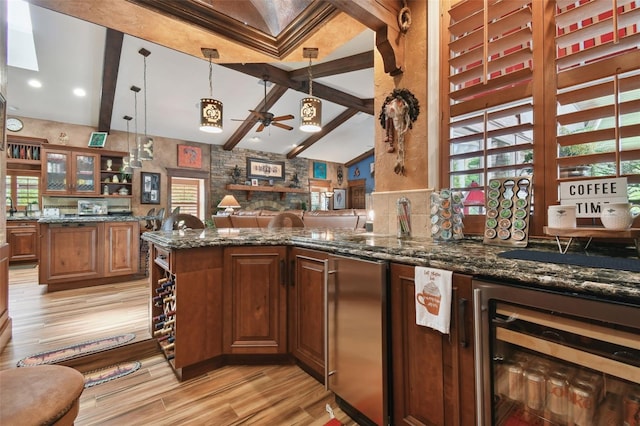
70	54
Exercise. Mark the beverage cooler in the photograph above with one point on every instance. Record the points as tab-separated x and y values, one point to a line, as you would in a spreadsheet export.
546	358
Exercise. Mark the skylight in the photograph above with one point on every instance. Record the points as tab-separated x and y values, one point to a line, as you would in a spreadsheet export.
21	47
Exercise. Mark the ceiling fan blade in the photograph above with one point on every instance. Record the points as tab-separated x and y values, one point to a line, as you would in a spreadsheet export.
283	117
282	126
260	128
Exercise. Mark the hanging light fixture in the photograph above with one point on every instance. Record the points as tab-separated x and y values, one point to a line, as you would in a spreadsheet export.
210	109
126	161
310	107
134	153
145	143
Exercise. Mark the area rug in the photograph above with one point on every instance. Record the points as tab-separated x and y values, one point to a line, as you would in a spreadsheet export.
606	262
75	351
104	375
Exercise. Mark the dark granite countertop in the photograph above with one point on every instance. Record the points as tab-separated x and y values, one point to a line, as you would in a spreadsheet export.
92	219
22	218
468	256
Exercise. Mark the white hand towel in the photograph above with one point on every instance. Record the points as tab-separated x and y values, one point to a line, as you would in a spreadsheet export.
433	298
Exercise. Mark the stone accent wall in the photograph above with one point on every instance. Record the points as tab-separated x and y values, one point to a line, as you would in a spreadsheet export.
223	162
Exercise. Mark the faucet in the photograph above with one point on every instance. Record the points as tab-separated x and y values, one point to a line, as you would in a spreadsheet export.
12	209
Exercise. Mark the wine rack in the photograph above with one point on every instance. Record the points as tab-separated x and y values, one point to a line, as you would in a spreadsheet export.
164	323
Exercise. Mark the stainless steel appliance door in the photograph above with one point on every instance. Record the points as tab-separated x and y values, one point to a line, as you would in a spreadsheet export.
356	334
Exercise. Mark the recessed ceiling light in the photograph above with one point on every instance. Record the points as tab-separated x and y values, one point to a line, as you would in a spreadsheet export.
79	92
34	83
254	139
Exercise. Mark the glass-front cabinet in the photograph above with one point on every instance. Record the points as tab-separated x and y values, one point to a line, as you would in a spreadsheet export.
70	173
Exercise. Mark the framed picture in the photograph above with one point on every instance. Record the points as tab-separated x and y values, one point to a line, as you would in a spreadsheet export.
189	156
254	182
319	170
149	188
339	199
97	139
258	168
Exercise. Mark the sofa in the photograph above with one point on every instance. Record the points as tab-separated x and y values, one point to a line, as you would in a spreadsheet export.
345	218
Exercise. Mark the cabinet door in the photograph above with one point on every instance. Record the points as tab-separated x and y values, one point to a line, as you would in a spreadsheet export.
66	172
433	381
255	300
56	172
306	309
84	177
71	252
23	241
122	242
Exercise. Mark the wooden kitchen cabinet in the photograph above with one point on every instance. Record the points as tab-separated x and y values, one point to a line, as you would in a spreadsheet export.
71	252
68	172
306	309
192	281
22	236
122	244
83	172
433	373
82	254
255	302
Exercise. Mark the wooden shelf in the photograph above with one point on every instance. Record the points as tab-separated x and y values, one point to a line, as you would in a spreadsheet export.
283	191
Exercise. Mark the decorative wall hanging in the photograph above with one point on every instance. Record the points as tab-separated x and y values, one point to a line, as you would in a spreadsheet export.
189	156
264	169
399	110
97	139
149	188
319	170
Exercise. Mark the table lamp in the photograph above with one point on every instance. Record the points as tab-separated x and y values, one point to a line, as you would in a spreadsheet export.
228	203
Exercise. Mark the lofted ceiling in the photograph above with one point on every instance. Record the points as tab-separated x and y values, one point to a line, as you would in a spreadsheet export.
255	38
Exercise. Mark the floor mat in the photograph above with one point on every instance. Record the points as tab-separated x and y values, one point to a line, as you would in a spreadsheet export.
606	262
104	375
75	351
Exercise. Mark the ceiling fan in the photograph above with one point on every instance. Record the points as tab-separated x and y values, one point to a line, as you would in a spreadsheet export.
266	118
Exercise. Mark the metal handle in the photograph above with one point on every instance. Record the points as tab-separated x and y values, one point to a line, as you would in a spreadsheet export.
477	321
282	274
325	292
462	307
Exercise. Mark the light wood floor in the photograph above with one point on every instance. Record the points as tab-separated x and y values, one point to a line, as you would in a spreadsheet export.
234	395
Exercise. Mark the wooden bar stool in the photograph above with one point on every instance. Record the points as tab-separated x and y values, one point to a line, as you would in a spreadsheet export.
40	395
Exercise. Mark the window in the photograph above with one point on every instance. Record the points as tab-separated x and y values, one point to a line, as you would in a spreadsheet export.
522	96
22	189
186	193
318	189
598	93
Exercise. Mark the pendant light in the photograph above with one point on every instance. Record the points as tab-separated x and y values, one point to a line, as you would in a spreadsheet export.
134	153
145	143
210	109
126	161
310	107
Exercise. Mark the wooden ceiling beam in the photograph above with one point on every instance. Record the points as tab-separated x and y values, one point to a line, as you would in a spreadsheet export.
272	97
326	129
283	78
112	52
357	62
360	157
381	17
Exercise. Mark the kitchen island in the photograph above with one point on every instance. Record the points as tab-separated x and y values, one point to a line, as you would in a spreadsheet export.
267	296
82	251
469	256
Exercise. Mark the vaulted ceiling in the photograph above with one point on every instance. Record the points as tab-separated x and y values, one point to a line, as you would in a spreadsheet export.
255	39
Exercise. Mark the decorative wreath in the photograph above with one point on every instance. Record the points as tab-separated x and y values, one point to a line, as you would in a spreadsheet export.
408	98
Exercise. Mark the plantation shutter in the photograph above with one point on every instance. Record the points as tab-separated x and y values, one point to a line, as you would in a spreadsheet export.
185	193
490	63
598	93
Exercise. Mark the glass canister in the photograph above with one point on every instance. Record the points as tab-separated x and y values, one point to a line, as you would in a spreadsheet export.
403	207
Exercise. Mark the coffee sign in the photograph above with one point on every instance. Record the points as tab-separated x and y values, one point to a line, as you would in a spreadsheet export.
589	195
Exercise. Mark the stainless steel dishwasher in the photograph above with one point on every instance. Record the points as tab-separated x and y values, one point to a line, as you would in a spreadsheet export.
356	337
